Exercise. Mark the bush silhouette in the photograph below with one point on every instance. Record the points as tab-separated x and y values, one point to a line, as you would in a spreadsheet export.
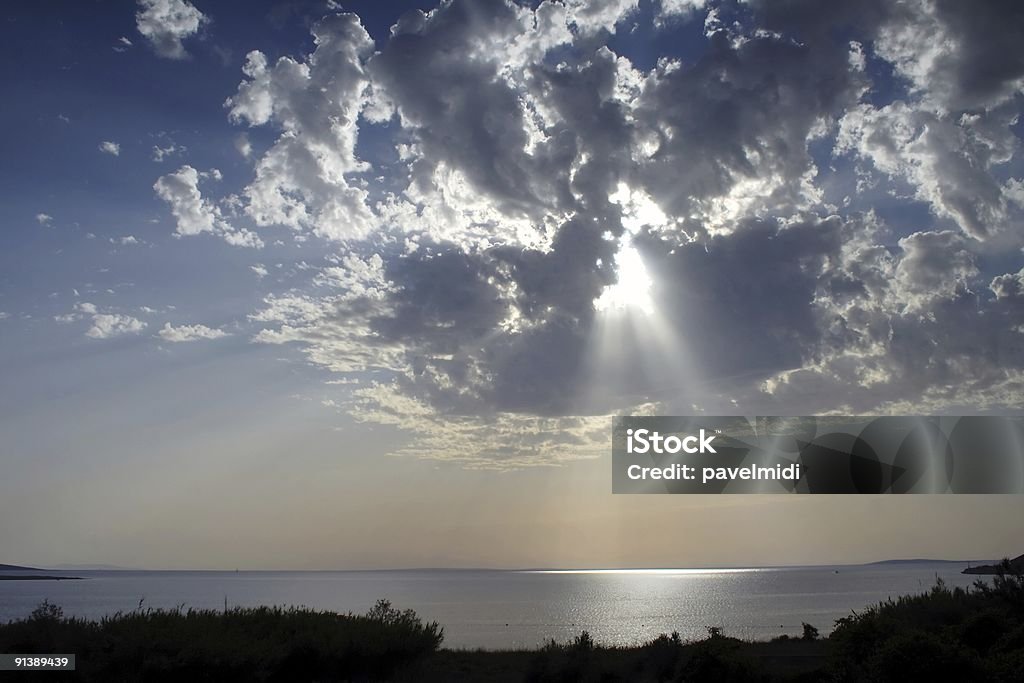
241	644
975	633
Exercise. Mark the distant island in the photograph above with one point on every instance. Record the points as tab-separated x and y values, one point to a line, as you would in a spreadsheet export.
37	575
917	561
1015	565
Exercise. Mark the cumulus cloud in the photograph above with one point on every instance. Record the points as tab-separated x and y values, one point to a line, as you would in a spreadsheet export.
187	333
193	213
304	180
957	56
107	325
814	197
111	148
948	163
672	10
166	23
44	219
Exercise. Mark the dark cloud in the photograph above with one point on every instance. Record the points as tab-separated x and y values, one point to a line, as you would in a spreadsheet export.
440	73
746	110
532	156
744	303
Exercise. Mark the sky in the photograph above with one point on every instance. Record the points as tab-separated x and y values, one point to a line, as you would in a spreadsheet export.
327	285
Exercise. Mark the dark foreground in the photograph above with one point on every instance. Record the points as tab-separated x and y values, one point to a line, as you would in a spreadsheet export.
945	634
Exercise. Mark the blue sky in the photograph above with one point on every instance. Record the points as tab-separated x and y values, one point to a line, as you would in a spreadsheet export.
419	249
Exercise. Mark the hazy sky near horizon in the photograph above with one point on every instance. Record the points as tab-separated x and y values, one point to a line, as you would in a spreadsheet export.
319	284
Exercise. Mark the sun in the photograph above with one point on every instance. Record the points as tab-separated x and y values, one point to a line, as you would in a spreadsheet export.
632	290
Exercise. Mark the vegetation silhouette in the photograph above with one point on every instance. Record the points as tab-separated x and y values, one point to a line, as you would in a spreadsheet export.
974	634
238	644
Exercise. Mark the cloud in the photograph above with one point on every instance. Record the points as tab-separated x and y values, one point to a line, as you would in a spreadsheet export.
1008	286
166	23
815	194
500	442
304	180
44	219
471	114
107	325
593	15
187	333
674	10
161	153
111	148
957	57
242	145
259	269
195	215
949	163
739	146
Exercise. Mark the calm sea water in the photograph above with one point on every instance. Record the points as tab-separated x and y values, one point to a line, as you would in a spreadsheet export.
506	609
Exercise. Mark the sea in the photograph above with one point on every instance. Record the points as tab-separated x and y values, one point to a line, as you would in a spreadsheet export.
506	609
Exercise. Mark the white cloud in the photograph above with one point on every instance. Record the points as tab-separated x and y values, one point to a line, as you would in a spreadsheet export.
242	145
303	180
677	9
934	265
194	214
259	269
948	162
180	189
107	325
161	153
591	15
111	148
44	219
104	325
166	23
187	333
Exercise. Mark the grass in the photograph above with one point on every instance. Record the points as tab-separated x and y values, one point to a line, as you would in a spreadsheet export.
241	644
974	634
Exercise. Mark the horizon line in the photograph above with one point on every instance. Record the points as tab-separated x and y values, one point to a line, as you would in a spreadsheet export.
723	568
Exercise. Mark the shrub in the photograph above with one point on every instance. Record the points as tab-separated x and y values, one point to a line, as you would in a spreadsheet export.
264	643
965	634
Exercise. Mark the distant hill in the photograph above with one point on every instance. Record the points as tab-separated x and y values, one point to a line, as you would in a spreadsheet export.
16	568
918	561
91	567
1016	564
